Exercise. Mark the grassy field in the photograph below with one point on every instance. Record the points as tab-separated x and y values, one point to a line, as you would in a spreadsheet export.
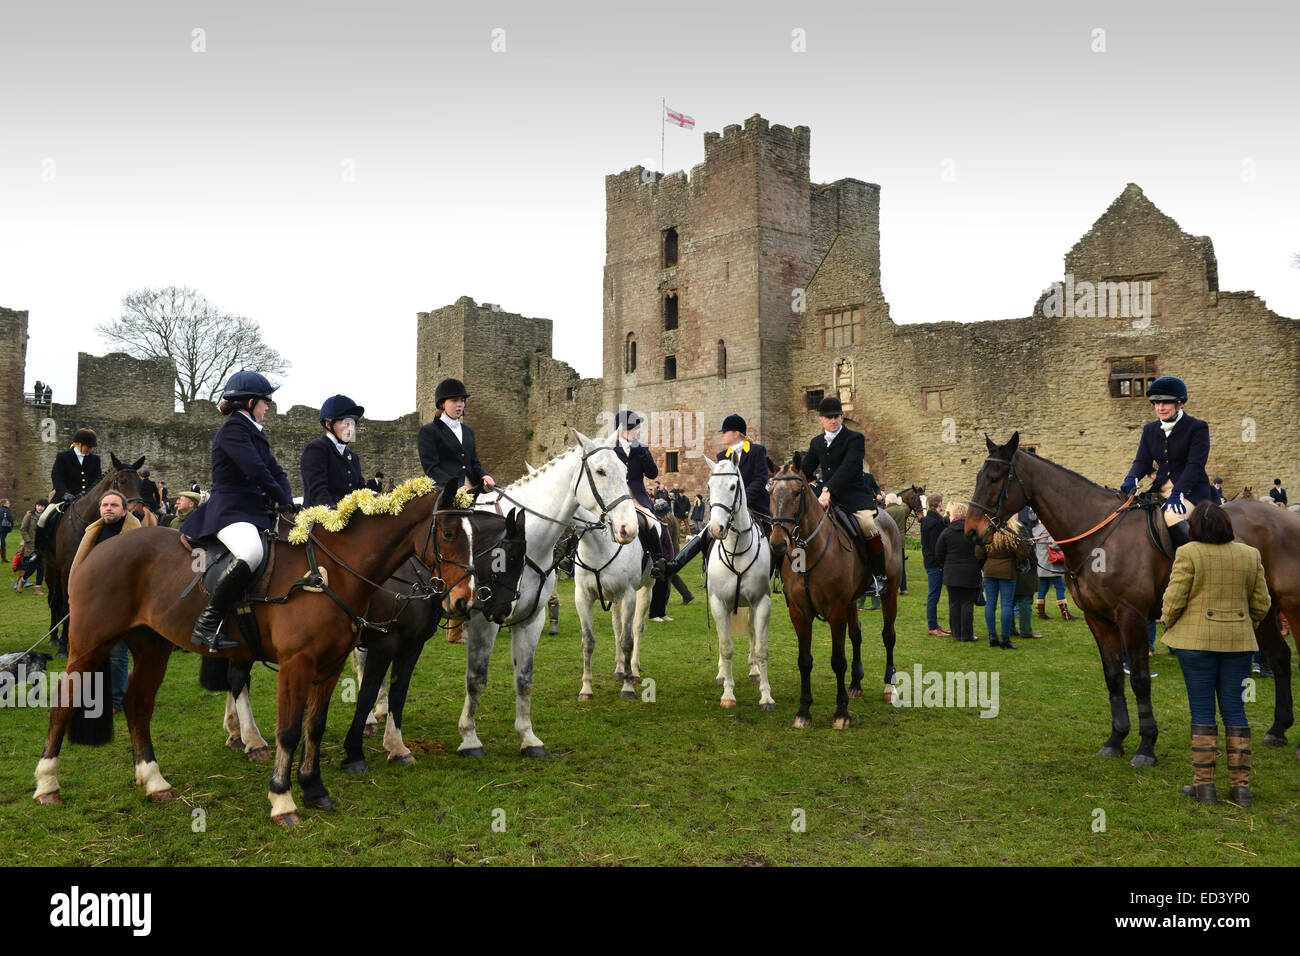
677	780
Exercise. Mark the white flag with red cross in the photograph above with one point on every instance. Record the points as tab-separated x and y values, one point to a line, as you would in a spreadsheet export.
674	118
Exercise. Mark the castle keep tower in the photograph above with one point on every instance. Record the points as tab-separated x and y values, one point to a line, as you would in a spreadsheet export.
13	364
703	291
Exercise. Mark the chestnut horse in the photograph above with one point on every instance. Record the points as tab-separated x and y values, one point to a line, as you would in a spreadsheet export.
1117	575
57	545
139	588
822	576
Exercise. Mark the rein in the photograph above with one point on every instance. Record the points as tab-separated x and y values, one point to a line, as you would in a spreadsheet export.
729	560
802	542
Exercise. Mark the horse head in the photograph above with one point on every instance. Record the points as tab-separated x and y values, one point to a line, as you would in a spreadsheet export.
447	552
499	552
122	478
999	493
789	495
601	486
726	495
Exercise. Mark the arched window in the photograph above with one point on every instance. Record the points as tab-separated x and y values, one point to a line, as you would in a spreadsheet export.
722	359
630	359
670	248
670	311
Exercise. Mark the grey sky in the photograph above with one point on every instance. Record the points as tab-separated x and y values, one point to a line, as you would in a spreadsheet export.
481	173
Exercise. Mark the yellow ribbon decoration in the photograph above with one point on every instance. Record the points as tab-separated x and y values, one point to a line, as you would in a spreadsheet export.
368	503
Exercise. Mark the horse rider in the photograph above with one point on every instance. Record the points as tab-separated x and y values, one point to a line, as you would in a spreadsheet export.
149	492
446	444
640	466
751	462
330	469
245	478
840	453
76	469
1176	447
448	454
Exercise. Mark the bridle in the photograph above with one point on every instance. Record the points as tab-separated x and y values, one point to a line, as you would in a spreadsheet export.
605	509
729	560
796	521
997	524
127	502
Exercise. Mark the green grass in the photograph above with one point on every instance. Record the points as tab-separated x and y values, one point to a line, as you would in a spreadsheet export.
677	781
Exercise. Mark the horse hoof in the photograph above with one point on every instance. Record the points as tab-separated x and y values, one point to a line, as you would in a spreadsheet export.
728	704
802	723
627	694
1142	760
586	696
318	803
234	743
533	752
259	755
356	766
840	723
1273	740
471	752
162	796
370	731
768	708
402	760
286	819
1109	751
855	692
49	799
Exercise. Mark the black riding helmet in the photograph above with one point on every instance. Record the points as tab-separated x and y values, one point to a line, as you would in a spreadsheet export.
449	388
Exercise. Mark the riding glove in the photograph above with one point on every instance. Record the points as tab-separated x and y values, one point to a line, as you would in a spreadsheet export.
1175	504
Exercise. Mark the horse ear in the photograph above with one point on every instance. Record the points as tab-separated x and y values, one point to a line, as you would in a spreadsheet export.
517	520
447	497
116	464
139	462
797	461
992	447
713	465
1014	443
584	441
771	467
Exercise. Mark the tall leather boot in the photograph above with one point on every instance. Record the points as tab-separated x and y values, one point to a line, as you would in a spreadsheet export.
1205	747
654	547
1041	606
229	586
1239	765
876	561
1065	611
689	550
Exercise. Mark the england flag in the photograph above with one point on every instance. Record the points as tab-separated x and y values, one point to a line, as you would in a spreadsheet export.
678	119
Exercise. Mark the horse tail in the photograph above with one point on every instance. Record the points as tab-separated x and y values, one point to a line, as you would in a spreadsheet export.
214	674
93	725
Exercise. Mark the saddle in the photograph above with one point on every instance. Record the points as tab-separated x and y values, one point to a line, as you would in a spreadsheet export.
216	557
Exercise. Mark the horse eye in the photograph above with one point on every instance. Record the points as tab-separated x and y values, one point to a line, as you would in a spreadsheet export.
600	471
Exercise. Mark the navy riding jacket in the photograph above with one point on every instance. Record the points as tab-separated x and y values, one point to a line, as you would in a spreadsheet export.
328	476
640	466
245	478
1181	457
753	472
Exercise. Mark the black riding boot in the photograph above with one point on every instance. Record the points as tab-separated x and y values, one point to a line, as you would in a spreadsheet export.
876	561
688	551
1179	535
230	585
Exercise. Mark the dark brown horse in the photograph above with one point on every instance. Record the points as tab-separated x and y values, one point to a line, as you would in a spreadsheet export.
57	545
823	576
911	497
1244	494
137	587
1116	573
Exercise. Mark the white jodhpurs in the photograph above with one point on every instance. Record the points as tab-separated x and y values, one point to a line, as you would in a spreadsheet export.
244	541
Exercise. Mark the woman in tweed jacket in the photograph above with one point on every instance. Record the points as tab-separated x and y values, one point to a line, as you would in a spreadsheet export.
1216	597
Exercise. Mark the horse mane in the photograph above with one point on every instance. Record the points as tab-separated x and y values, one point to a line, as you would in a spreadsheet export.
1071	472
525	479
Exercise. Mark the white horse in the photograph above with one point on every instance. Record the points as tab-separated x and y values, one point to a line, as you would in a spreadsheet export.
589	475
739	571
617	576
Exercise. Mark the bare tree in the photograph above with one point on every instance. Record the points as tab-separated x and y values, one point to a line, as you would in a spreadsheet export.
207	344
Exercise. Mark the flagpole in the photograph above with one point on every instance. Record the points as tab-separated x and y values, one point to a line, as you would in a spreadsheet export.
663	107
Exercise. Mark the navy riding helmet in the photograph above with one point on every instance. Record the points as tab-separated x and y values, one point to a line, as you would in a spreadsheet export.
627	420
340	406
247	384
1167	388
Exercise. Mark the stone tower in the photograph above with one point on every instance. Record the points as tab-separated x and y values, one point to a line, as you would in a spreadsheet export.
704	288
13	363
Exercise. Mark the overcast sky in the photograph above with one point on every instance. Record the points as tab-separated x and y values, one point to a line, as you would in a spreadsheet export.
997	133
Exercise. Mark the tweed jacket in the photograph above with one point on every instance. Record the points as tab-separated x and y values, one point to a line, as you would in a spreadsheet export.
1000	555
129	523
1216	596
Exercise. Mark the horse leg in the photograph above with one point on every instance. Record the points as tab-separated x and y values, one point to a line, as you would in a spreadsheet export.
80	675
241	676
375	664
1133	628
403	667
359	655
617	623
523	645
640	614
480	635
838	620
726	648
624	633
587	626
314	793
888	637
1278	655
151	655
855	638
1112	665
803	630
295	686
230	723
760	620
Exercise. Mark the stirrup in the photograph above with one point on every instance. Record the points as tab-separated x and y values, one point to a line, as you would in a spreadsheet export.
216	642
878	586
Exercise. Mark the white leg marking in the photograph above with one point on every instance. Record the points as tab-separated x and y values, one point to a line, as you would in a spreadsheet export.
393	741
248	731
150	777
46	779
282	803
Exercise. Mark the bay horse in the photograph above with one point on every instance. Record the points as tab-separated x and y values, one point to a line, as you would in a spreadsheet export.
913	497
823	576
406	618
139	588
738	572
58	545
588	475
1117	574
